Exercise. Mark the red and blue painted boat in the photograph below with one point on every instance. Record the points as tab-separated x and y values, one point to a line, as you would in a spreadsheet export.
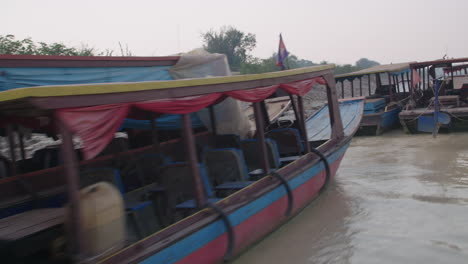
218	226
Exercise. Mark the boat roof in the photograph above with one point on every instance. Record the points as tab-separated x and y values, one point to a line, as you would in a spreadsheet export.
23	100
388	68
46	61
438	63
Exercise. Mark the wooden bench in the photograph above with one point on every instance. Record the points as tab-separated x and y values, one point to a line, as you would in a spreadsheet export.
27	233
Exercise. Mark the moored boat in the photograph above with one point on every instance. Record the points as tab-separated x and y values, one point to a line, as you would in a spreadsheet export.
439	97
182	209
385	87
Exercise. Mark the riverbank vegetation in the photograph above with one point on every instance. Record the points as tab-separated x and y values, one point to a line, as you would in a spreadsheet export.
235	44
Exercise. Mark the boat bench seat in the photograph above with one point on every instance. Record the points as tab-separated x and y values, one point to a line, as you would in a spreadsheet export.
176	178
254	160
226	168
288	140
227	141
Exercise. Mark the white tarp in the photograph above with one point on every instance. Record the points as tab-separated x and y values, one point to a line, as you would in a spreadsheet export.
230	118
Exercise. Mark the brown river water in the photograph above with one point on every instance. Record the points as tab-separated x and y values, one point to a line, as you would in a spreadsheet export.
396	198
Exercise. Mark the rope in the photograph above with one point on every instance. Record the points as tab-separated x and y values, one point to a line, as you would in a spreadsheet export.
288	191
230	232
327	167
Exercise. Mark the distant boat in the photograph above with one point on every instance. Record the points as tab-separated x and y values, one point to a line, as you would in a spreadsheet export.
439	97
386	88
201	199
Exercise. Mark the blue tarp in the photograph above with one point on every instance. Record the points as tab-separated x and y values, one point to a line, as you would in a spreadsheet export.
12	78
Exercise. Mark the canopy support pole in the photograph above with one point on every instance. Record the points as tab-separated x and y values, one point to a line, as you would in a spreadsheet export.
78	246
408	82
342	89
154	133
369	84
213	119
261	137
424	78
265	113
395	81
300	102
403	81
21	142
451	71
294	106
11	142
333	107
360	86
390	90
189	140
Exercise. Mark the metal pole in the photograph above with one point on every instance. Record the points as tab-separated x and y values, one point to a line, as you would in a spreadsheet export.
352	87
305	139
78	245
369	84
212	119
11	142
192	159
261	137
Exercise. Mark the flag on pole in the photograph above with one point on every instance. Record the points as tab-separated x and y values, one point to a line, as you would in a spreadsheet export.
282	54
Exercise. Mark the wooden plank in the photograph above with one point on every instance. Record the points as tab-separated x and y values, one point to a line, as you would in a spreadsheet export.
25	224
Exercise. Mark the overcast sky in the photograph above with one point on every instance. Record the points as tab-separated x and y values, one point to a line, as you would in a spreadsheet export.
340	31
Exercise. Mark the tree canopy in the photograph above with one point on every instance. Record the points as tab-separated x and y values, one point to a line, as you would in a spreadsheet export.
9	45
233	43
257	65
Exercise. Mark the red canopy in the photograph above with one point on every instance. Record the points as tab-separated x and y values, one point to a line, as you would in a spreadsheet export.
96	125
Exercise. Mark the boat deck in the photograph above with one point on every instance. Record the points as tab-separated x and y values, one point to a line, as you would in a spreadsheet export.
457	111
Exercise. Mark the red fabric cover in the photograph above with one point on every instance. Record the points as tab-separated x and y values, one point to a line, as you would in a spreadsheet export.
95	125
182	105
253	95
301	88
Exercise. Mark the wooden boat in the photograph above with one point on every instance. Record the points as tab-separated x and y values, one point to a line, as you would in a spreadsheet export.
387	90
438	97
205	229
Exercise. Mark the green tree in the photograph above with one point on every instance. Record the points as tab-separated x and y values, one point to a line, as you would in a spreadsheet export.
9	45
364	63
233	43
256	65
